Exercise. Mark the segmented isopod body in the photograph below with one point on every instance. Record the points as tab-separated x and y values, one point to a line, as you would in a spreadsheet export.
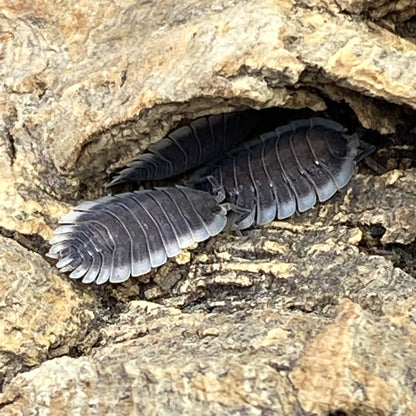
116	237
188	147
287	170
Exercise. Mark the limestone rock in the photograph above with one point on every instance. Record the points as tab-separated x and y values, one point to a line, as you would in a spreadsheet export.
310	316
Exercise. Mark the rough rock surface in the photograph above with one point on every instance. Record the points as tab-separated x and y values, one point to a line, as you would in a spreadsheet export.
40	315
315	315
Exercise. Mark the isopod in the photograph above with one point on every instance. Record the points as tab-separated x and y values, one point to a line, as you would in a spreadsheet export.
286	170
125	235
188	147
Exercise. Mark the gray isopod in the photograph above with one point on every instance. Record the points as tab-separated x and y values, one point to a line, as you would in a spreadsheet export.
188	147
116	237
285	171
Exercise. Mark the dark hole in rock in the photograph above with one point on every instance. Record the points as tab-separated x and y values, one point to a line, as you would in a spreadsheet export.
407	29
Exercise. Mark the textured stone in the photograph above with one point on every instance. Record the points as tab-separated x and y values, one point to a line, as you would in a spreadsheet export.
293	317
158	360
313	315
391	204
348	367
101	73
240	370
40	313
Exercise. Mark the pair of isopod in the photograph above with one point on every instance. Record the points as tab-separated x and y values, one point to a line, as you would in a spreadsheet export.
271	176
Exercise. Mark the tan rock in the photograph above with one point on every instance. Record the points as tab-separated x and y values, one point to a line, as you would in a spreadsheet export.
349	368
241	369
41	315
158	360
108	90
391	204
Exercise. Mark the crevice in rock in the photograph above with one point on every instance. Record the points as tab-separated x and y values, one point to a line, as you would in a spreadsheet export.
407	29
123	77
372	234
338	412
403	256
385	16
394	150
338	111
18	366
104	152
222	298
398	151
32	242
9	402
107	314
340	94
300	411
11	149
94	173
